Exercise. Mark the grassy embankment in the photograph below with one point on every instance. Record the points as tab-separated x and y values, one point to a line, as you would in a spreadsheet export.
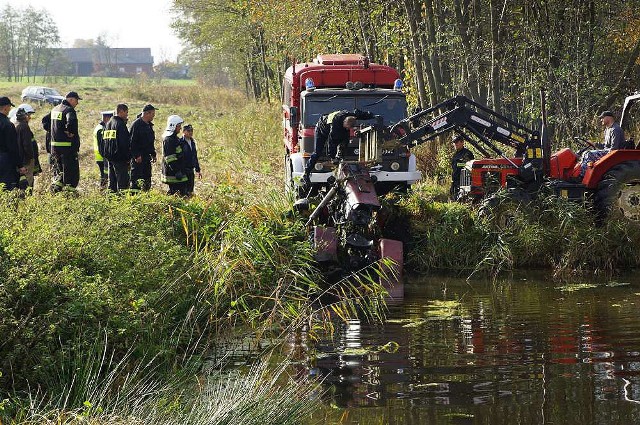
153	277
107	304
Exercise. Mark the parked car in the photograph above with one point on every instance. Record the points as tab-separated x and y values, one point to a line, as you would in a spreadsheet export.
41	95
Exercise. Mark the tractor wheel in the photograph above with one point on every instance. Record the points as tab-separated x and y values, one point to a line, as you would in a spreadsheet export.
618	194
503	207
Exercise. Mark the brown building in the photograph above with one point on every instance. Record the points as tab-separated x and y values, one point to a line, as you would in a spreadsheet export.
85	61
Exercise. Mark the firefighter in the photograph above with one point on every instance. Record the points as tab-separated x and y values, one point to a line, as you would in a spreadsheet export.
336	128
25	144
65	144
10	162
98	148
143	151
46	126
117	149
190	157
458	161
174	167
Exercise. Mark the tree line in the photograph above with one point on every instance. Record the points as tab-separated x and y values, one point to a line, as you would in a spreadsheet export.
497	52
26	42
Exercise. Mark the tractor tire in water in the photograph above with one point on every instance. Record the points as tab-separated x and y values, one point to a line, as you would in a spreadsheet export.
618	193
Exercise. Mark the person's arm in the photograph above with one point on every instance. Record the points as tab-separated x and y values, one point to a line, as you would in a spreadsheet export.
72	123
362	115
124	139
196	163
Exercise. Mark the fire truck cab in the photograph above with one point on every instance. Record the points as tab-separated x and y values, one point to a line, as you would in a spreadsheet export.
342	82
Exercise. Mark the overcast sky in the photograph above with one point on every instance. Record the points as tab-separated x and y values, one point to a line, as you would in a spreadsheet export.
125	23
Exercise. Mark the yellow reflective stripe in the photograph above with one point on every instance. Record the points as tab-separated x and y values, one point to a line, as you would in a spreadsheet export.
178	149
517	137
332	115
109	134
170	158
54	143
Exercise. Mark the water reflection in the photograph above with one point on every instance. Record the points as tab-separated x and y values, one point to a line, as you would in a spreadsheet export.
523	351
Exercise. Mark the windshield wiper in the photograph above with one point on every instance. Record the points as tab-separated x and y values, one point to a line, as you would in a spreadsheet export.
324	100
377	101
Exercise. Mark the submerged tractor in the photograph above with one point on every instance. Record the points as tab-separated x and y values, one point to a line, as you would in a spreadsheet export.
345	228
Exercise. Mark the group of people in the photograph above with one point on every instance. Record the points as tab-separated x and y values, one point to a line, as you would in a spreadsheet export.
124	154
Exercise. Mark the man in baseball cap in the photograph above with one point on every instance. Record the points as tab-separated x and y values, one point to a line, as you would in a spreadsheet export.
73	95
10	159
4	101
143	151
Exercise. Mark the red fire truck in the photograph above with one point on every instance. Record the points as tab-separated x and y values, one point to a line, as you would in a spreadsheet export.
342	82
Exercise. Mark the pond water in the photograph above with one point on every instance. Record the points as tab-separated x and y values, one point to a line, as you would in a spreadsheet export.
522	351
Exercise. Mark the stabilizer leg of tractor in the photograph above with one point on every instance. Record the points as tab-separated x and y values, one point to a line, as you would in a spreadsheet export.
392	273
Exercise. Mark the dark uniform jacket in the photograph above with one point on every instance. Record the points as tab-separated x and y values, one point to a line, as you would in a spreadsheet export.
64	128
332	125
458	161
174	166
25	141
191	155
116	140
46	126
142	140
9	143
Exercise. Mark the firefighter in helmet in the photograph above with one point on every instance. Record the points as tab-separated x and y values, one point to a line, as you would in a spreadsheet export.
174	166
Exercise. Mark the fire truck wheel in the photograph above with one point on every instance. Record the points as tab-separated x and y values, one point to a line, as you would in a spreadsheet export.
618	194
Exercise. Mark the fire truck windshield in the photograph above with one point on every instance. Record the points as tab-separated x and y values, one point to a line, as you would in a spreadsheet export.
392	107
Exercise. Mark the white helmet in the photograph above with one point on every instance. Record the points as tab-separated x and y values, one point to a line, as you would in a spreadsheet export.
25	106
172	122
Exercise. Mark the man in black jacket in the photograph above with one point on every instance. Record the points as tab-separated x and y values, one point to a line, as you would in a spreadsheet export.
143	151
10	162
190	157
458	161
335	127
65	144
117	149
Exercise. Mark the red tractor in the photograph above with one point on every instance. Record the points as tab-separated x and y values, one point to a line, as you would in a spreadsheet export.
612	182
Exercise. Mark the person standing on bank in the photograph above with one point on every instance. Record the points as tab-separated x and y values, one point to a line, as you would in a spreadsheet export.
458	161
10	162
117	149
143	151
65	144
174	167
190	157
26	141
98	148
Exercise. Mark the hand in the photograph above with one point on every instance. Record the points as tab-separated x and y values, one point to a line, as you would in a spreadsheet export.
199	174
138	159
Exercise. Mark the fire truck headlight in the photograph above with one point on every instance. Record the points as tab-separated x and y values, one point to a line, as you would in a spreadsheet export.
318	166
395	166
349	85
358	85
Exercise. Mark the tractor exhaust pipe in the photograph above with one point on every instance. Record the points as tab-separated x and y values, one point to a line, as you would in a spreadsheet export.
327	198
546	142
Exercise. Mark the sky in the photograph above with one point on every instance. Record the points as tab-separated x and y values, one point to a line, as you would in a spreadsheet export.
125	23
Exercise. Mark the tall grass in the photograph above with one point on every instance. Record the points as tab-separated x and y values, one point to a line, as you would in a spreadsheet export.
550	233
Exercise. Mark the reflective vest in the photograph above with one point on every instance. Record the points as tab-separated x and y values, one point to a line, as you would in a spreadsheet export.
97	142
